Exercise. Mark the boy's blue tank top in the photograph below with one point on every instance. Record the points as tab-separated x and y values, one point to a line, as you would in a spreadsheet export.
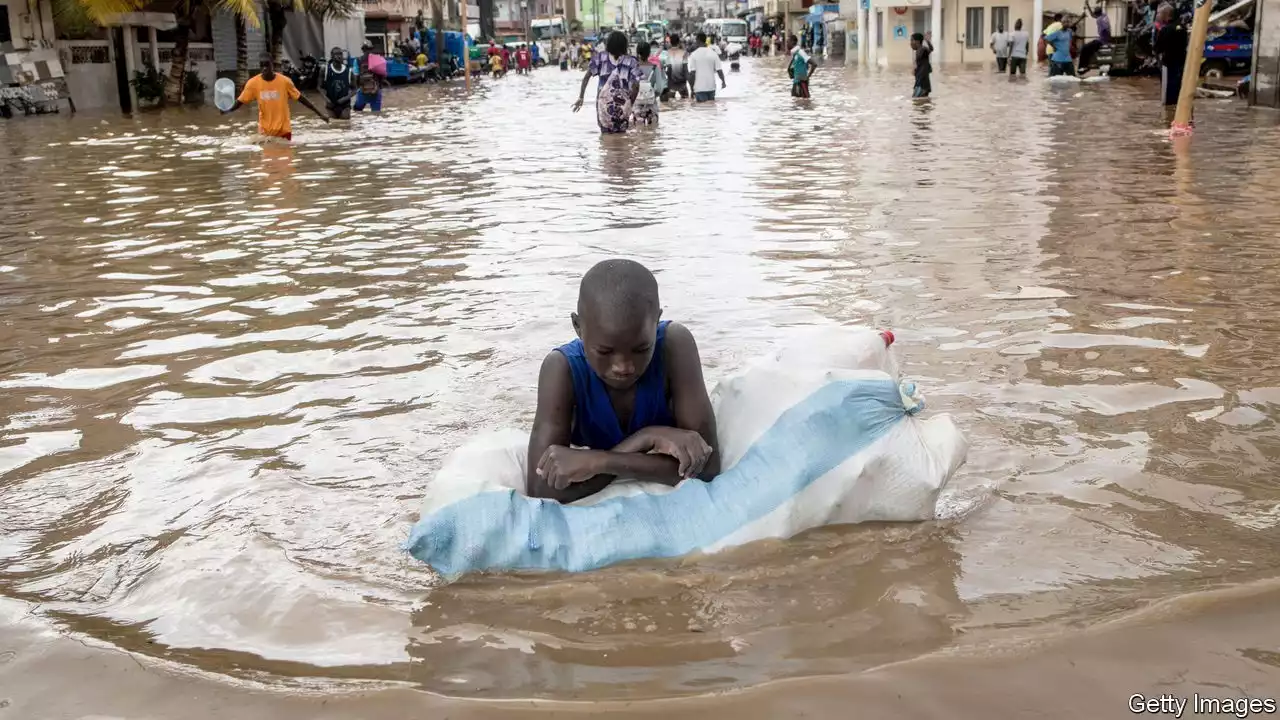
595	424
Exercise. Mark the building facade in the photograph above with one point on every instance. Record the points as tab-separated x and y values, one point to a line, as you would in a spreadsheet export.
1264	88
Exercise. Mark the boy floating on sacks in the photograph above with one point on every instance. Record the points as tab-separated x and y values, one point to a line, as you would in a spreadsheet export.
626	399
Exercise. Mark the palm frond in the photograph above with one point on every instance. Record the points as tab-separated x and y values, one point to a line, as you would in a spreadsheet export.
248	9
100	10
331	8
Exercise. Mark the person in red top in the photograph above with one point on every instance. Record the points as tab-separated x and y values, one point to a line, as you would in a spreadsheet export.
524	60
506	59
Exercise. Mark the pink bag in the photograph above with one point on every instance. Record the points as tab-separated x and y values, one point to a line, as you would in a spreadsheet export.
377	65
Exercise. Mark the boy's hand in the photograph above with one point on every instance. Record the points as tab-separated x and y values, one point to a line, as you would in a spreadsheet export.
561	466
686	446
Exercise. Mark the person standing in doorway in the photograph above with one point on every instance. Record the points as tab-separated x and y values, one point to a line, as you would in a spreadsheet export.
1019	45
922	46
704	66
272	92
1000	46
338	81
1171	48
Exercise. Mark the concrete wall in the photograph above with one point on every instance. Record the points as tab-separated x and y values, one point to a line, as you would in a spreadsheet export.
346	33
91	73
224	43
37	25
1265	87
898	22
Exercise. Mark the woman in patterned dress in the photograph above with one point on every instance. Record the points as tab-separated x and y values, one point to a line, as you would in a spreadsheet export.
620	78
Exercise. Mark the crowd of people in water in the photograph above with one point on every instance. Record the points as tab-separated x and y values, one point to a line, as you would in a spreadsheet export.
634	83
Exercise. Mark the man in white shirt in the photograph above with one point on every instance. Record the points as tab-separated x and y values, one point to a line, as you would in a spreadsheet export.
1019	44
704	66
1000	46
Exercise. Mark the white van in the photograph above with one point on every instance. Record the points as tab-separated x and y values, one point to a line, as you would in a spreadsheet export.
731	29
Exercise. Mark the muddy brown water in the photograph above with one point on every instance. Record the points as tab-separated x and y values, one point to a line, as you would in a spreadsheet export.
228	371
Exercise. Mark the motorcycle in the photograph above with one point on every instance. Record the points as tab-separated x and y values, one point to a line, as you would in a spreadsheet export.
306	76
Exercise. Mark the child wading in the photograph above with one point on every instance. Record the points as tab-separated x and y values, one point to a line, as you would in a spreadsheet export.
800	69
625	399
651	88
922	45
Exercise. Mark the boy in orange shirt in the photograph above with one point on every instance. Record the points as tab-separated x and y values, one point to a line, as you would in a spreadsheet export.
273	92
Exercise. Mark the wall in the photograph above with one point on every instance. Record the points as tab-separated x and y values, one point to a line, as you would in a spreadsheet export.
346	33
955	15
91	73
950	48
1264	89
224	43
37	25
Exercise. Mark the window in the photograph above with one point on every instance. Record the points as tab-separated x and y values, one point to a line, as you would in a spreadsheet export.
1000	19
879	28
973	35
4	25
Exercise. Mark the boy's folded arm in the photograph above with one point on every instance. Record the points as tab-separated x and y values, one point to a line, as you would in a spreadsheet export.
552	421
638	466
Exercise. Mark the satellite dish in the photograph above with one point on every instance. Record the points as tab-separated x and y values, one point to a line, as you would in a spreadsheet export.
224	94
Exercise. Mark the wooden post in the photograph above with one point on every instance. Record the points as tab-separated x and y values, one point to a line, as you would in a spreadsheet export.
466	53
1191	72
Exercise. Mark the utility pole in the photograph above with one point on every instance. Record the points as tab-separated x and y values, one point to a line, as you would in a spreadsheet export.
1191	72
466	54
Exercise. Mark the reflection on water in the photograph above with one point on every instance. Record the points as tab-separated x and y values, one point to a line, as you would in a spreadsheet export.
229	371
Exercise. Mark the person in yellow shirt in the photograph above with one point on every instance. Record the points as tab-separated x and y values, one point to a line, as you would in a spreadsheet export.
495	64
273	92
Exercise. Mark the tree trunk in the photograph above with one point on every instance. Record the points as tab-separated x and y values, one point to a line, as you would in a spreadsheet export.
437	19
242	53
178	60
487	28
275	29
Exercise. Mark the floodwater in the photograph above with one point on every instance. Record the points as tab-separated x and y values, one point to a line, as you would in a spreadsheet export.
228	372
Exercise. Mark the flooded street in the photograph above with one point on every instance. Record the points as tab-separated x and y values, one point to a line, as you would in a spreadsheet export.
229	372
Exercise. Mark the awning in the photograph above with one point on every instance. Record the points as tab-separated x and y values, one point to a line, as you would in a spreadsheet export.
159	21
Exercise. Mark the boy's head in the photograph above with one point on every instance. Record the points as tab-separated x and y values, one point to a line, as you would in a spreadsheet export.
1017	25
701	38
642	51
917	39
1057	17
617	320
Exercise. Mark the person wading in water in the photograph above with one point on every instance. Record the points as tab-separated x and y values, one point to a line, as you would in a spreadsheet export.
273	92
337	82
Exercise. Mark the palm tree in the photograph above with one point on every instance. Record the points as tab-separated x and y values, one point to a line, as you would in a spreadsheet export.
242	52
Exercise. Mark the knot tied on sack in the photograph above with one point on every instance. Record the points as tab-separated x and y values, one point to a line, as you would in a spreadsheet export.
912	398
